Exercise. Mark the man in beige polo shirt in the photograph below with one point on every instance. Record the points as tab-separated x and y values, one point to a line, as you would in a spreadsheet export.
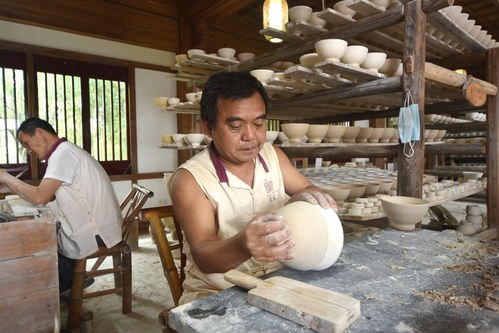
225	197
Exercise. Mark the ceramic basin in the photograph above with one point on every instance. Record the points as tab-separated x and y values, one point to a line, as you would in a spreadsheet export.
404	212
295	131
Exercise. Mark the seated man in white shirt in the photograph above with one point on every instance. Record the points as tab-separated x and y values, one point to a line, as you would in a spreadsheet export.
82	190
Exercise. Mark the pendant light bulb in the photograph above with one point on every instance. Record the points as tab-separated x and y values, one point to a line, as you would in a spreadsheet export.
275	16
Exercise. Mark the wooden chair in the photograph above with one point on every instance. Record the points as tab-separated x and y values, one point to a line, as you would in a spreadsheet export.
165	249
122	261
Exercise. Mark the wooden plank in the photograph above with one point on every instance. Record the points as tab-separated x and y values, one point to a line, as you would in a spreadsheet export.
36	313
349	72
492	142
342	152
319	309
303	28
303	73
17	238
24	276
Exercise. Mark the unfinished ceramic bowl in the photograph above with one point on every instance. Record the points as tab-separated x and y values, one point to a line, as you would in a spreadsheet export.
404	212
270	136
194	139
331	49
374	61
295	131
172	101
316	20
310	59
226	52
382	3
316	133
166	139
244	56
317	233
297	13
390	66
364	134
334	133
354	55
193	52
339	193
388	133
282	137
376	135
351	133
178	138
191	97
263	75
341	6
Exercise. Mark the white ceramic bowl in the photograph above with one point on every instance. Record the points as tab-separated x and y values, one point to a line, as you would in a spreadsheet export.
192	52
180	57
351	133
404	212
310	59
334	133
270	136
244	56
295	131
331	49
226	52
263	75
374	61
178	138
299	13
316	20
166	139
316	132
191	97
354	55
282	137
317	233
382	3
173	101
341	6
194	139
390	66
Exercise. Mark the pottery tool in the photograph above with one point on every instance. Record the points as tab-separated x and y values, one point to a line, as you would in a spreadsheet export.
319	309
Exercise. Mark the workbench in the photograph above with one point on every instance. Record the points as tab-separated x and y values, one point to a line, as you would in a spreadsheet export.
419	281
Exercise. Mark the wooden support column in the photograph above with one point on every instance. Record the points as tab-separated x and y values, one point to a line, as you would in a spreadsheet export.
492	142
410	170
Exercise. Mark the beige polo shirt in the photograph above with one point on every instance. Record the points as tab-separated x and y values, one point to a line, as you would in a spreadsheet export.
236	204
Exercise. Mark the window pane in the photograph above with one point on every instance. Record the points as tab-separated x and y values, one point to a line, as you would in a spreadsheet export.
108	121
60	103
12	113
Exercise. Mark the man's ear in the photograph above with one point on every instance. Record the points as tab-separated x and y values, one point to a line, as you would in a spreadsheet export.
206	127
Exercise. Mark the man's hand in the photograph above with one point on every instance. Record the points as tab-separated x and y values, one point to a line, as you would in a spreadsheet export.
315	196
268	238
5	189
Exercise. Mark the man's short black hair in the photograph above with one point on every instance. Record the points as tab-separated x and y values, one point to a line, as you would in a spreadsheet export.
30	125
231	86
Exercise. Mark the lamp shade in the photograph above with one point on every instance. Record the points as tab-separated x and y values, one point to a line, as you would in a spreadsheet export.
275	16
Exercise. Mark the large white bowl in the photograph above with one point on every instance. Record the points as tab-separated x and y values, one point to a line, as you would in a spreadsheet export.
354	55
317	233
404	212
263	75
192	52
382	3
331	49
295	131
243	56
316	20
374	61
334	133
299	13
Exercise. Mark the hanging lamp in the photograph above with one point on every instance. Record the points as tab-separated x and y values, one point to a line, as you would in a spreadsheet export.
275	16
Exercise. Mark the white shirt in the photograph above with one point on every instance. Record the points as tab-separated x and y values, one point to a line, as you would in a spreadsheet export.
87	200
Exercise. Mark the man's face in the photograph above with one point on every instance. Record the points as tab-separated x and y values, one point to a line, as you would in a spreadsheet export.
36	145
239	130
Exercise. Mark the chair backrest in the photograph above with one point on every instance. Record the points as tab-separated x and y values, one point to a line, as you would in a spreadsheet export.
131	206
165	253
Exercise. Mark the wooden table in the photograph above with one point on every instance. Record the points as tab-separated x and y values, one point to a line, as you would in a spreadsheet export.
420	281
29	285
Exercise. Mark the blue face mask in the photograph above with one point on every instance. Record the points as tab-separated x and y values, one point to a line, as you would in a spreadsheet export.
409	125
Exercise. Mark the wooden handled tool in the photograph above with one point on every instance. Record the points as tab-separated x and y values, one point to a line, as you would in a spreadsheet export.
319	309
